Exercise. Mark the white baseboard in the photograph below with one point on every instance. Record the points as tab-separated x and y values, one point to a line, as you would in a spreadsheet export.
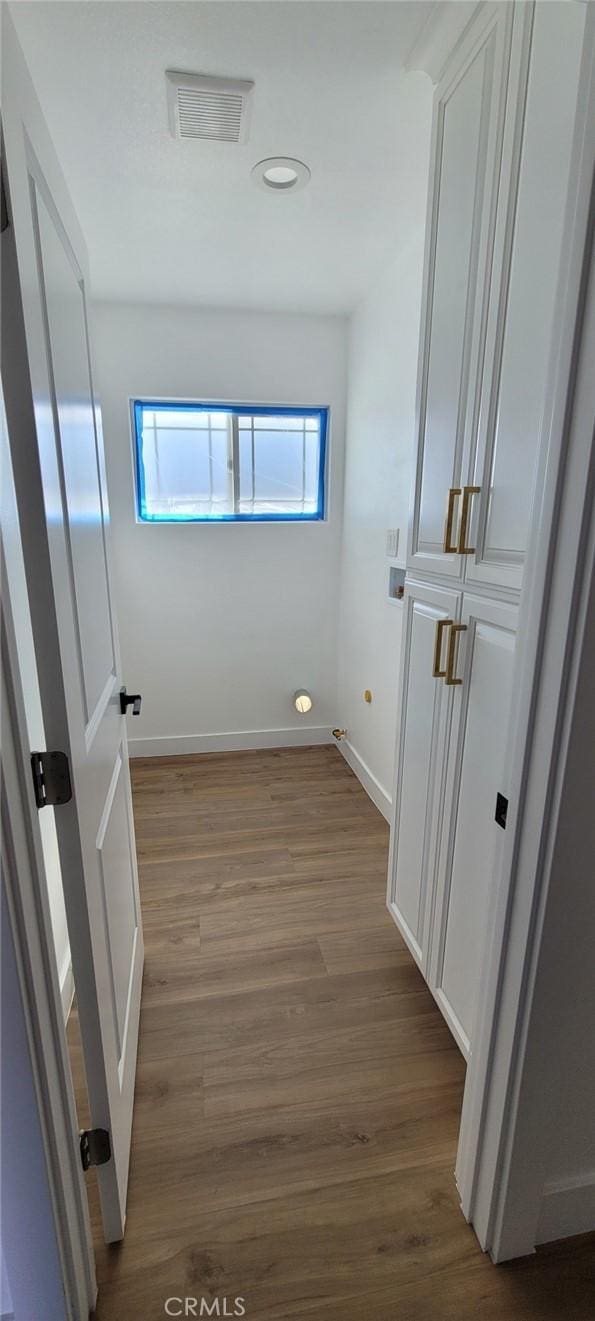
567	1208
241	741
67	990
372	786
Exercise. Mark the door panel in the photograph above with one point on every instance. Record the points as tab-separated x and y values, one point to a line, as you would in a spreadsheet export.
119	900
471	839
58	462
467	141
460	144
63	292
424	704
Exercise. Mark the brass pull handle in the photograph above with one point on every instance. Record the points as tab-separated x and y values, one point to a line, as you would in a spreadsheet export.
451	658
437	670
468	492
449	547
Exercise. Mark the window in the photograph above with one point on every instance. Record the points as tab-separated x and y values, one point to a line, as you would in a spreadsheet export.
203	463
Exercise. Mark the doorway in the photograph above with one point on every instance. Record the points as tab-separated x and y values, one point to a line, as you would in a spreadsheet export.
297	1091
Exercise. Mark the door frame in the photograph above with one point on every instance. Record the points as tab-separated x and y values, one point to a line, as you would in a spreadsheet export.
94	742
30	921
27	889
549	647
549	642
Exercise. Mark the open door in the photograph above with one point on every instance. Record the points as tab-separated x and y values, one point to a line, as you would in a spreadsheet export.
59	473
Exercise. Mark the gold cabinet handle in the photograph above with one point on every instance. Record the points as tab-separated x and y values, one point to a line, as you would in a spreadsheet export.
451	658
468	492
450	548
437	670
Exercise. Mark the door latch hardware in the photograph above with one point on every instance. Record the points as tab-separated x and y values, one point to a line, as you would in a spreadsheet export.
51	778
4	216
96	1148
130	699
501	810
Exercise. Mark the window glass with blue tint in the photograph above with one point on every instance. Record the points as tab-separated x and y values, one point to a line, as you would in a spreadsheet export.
234	463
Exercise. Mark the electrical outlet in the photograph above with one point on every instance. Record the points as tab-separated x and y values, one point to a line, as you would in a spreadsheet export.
392	543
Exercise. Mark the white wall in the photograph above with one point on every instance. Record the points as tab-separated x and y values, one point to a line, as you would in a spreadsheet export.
382	373
220	624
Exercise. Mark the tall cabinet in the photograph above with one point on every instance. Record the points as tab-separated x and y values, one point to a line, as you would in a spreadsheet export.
503	120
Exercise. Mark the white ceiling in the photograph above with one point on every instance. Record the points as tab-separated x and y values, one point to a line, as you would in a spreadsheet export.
182	221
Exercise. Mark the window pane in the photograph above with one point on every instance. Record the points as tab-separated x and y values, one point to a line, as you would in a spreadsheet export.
187	456
245	444
268	422
221	474
312	460
185	461
279	467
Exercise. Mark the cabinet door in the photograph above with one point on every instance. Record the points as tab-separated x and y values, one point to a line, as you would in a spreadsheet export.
470	837
469	111
521	311
424	704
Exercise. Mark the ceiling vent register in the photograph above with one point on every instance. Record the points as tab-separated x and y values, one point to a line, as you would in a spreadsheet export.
215	109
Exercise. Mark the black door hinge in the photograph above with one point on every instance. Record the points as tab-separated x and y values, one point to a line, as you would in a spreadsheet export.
96	1148
51	778
501	810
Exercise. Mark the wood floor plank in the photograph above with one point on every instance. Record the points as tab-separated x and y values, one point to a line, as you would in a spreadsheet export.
356	951
169	1098
255	1018
308	916
325	1086
169	977
298	1093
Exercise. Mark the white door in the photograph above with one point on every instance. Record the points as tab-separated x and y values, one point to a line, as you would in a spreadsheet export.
425	706
521	314
60	482
481	676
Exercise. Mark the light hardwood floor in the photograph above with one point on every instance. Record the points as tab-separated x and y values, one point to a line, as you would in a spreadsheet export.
298	1092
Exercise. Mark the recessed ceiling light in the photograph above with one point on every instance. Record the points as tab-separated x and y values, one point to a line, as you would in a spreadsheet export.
281	174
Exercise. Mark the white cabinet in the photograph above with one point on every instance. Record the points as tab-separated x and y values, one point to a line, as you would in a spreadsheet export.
470	837
504	117
476	110
528	245
503	123
425	708
457	688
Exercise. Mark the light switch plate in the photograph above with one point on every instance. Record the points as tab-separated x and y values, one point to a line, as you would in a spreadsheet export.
392	543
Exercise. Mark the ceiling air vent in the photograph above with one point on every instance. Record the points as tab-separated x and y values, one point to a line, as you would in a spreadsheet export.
205	107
